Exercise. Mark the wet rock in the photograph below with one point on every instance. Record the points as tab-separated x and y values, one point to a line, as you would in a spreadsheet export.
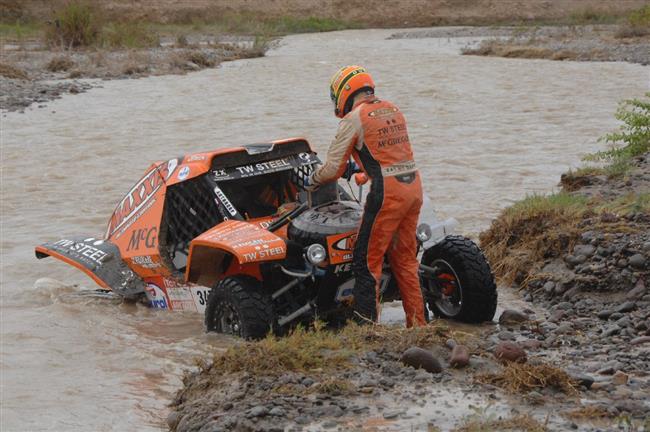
611	330
628	306
257	411
605	314
549	287
637	292
640	340
620	378
421	359
512	316
564	328
172	419
509	352
582	379
557	316
637	261
330	424
302	420
277	412
646	246
584	250
506	335
450	343
393	413
307	382
459	356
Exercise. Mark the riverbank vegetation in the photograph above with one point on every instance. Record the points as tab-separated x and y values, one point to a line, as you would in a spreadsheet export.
540	228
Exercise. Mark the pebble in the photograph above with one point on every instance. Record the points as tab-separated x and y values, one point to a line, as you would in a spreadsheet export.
393	413
548	287
604	314
640	340
258	411
637	292
506	335
459	356
637	261
509	352
512	316
421	359
611	330
628	306
277	411
585	250
620	378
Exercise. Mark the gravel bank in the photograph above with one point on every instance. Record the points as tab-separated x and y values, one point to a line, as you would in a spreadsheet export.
580	43
36	76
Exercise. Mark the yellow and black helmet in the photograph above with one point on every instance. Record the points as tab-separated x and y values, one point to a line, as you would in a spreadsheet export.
345	83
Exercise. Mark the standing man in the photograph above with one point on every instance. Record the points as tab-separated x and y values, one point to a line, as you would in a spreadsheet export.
374	132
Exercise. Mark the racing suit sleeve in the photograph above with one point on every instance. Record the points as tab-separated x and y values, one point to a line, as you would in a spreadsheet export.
338	154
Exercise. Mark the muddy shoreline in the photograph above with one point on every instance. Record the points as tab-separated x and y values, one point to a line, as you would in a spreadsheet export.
36	76
575	356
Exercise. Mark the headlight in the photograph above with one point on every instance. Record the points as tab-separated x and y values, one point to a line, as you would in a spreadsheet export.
423	233
316	254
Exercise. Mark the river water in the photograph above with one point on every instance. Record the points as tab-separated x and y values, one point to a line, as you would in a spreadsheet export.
486	132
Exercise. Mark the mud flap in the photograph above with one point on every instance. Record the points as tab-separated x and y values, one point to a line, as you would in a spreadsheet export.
99	259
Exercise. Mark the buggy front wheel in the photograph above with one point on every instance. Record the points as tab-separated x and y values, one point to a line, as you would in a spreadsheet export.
239	306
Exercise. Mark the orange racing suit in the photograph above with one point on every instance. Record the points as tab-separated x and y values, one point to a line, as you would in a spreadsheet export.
374	133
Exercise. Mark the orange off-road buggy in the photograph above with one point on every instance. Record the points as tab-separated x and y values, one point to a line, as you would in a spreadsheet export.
233	234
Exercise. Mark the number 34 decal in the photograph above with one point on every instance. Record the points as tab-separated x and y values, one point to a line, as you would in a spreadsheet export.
203	296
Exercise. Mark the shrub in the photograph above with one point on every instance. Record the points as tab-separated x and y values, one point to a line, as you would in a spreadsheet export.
75	25
633	137
8	71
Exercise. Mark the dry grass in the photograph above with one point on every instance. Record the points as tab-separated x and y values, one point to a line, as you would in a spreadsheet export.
522	378
9	71
532	230
519	422
199	58
323	350
60	64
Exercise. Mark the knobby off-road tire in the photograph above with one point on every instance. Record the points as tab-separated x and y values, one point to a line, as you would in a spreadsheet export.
475	280
238	305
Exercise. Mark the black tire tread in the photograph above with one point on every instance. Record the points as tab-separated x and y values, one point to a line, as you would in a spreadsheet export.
253	305
477	281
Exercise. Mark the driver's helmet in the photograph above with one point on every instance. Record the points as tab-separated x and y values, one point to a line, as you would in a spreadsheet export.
345	84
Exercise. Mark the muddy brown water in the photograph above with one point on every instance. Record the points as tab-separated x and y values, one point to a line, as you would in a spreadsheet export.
486	131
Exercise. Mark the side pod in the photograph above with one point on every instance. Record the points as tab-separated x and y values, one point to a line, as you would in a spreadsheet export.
99	259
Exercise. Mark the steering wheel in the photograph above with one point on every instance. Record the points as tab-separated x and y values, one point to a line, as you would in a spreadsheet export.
288	217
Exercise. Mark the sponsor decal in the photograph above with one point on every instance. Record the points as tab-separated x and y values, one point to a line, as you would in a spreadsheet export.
183	173
156	296
225	201
262	253
249	242
145	261
140	198
382	112
83	250
195	158
146	237
267	167
340	247
343	268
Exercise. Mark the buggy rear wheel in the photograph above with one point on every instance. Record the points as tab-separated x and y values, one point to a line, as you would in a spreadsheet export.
239	306
460	284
